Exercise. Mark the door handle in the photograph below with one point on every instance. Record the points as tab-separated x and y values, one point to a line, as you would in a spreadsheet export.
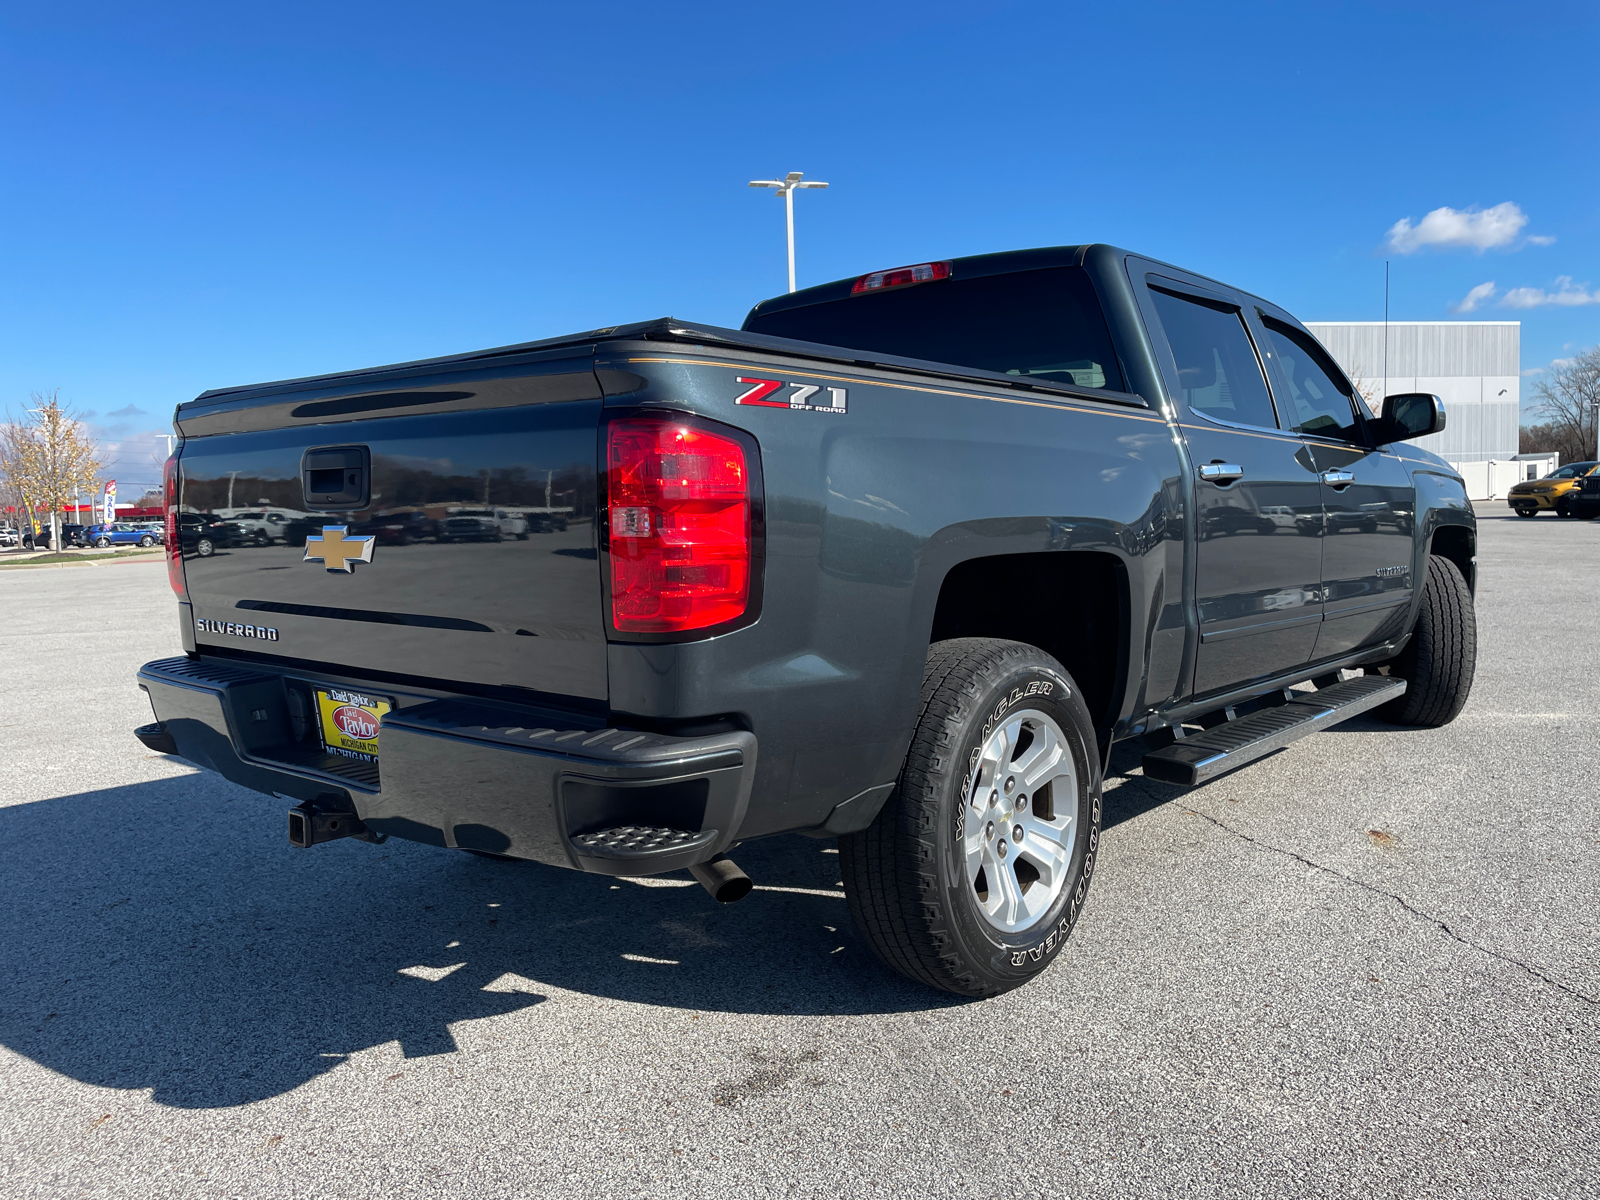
1221	473
1337	479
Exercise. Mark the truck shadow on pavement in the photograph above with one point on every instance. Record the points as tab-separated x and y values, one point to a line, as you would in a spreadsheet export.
1127	795
164	935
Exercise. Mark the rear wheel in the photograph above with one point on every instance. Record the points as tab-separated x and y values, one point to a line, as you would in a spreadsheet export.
102	542
147	540
1438	662
205	547
975	870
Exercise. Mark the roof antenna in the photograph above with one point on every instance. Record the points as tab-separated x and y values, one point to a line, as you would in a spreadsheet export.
1385	328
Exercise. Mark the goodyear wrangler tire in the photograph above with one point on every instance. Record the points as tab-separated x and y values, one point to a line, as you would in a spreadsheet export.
1439	660
977	867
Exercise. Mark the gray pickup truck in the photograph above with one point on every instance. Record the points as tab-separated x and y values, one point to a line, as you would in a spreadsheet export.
896	563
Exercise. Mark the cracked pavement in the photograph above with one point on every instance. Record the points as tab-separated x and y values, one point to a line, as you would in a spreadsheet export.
1367	965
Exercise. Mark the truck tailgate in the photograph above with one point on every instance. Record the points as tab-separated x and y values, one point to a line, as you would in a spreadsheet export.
489	602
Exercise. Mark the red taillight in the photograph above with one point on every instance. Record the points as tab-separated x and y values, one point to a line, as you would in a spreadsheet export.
169	499
679	525
900	276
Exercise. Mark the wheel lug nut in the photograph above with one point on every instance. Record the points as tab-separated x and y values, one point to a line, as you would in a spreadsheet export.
1011	783
989	832
994	797
1022	801
1002	849
1016	833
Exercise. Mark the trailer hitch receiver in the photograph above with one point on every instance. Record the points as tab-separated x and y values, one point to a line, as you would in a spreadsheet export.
327	819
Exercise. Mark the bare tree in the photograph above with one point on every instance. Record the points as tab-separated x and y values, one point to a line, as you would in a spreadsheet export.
1545	438
51	458
1567	398
1366	388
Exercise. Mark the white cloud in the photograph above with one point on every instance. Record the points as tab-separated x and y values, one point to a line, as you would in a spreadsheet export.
1541	239
132	456
1566	295
1477	296
1449	228
1562	363
1531	371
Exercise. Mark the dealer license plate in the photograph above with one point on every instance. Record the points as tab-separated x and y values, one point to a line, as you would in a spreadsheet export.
349	722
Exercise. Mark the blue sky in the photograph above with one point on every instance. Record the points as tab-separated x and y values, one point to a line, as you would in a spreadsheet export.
207	195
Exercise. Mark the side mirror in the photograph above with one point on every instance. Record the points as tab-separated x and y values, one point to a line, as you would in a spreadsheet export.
1411	415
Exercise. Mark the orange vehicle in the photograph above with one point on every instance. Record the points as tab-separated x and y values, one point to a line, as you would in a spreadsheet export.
1555	491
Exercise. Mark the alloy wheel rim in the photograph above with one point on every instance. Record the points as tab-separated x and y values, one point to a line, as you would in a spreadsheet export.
1020	821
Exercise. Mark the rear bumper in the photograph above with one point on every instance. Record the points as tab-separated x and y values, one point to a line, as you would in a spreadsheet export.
464	773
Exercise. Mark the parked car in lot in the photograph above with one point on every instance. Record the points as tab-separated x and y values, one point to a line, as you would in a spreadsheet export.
1554	493
118	533
1228	519
929	539
71	535
267	526
1281	515
1354	520
471	525
203	533
546	520
512	524
483	525
401	528
1586	500
8	535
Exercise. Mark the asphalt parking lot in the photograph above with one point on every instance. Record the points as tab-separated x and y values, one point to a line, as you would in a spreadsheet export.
1365	966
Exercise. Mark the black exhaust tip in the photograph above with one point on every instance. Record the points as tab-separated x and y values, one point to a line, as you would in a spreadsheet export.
723	879
157	738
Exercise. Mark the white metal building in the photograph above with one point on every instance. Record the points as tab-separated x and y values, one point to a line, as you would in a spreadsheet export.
1472	365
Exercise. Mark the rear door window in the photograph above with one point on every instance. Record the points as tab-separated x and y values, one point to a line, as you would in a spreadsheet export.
1045	323
1218	371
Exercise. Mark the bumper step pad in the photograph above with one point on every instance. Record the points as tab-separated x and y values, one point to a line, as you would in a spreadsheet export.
641	841
1202	757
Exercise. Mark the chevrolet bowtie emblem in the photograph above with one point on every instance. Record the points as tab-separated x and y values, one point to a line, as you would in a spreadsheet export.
336	551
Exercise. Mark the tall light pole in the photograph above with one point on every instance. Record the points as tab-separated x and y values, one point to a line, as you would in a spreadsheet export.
786	188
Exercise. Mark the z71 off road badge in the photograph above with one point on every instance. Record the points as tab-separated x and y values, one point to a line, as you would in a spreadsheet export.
799	397
337	551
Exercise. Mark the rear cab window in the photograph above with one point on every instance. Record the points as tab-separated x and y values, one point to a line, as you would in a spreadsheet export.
1044	324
